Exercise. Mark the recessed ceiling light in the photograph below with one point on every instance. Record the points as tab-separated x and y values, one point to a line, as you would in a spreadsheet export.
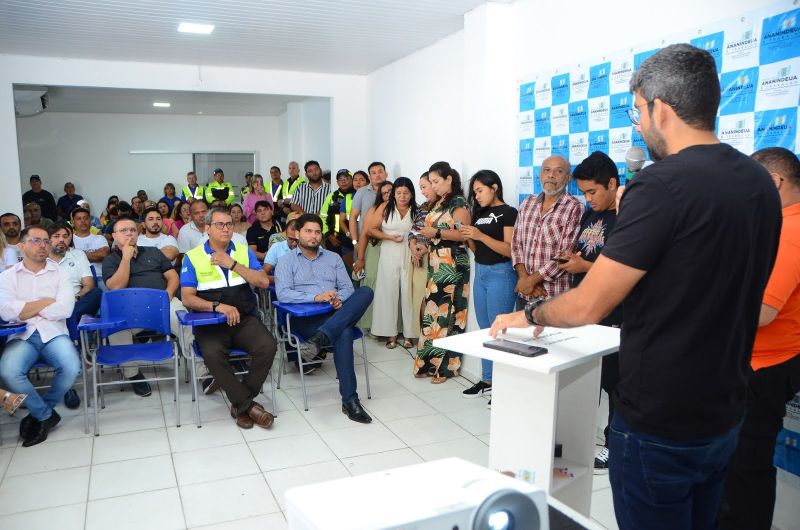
190	27
162	104
199	111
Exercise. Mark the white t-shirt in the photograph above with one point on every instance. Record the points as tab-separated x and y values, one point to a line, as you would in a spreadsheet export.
163	240
190	237
91	243
10	257
76	264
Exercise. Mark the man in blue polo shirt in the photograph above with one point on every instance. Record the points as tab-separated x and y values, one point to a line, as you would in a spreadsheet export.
217	276
309	273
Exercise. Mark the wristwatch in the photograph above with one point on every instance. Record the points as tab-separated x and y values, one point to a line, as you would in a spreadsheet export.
438	234
214	306
529	309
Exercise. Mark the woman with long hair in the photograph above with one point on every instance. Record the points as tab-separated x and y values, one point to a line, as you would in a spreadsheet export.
184	216
391	223
113	200
489	237
168	226
370	248
240	225
169	196
447	292
418	245
256	193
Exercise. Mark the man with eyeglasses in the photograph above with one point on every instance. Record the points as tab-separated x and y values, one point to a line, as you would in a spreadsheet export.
218	276
194	233
546	228
690	256
130	265
37	292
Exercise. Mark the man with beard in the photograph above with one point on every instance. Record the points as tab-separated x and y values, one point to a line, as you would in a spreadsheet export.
35	291
312	274
335	214
154	237
94	245
32	213
87	294
309	195
10	225
546	228
690	255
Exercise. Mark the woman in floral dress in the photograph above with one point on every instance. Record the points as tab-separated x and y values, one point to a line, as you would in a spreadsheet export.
447	291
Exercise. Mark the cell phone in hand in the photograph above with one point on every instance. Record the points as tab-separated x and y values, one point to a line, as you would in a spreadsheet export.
559	259
517	348
458	225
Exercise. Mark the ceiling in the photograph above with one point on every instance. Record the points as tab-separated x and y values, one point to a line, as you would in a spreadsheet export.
134	101
333	36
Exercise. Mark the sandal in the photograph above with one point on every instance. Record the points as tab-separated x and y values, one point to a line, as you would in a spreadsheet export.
421	375
407	343
12	401
438	380
391	343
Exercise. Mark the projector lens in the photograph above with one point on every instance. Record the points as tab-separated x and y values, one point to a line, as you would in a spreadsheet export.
500	521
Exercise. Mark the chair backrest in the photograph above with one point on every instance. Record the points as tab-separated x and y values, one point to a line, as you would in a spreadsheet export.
94	275
139	307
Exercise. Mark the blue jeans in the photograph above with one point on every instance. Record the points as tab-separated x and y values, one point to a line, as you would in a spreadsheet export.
20	355
662	484
338	328
493	294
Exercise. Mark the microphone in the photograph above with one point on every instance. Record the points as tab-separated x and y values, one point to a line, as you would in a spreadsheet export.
635	158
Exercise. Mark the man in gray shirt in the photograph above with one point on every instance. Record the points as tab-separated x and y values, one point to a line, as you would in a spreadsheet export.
309	274
364	198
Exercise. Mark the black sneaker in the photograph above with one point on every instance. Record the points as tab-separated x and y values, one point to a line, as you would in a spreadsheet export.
601	460
71	399
140	388
479	389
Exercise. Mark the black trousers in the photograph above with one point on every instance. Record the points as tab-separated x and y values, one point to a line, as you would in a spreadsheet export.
748	501
249	335
609	377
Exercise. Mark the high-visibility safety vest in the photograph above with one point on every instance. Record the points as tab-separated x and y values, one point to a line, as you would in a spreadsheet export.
214	185
289	189
210	276
197	194
333	217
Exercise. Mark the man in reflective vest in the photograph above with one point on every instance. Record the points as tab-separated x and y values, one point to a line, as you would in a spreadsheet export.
218	276
289	187
335	214
218	189
192	191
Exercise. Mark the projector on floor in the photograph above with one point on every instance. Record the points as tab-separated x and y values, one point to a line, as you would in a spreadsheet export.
446	494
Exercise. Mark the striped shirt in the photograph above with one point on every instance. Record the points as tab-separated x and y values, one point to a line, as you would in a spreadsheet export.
309	200
538	238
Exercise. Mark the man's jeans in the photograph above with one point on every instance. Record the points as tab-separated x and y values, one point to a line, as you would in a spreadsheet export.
662	484
20	355
338	328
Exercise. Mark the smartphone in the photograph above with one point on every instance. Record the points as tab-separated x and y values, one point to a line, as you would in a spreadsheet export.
458	225
518	348
559	259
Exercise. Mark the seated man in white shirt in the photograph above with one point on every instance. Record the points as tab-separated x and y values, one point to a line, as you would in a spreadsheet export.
94	245
195	233
36	291
154	237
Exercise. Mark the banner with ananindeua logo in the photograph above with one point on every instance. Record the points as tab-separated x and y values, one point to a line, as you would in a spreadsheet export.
581	108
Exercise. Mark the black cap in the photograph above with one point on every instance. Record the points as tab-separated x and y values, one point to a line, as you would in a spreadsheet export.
218	170
343	172
36	177
248	174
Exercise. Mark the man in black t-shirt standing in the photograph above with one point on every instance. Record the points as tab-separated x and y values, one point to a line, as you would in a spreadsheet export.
598	179
691	253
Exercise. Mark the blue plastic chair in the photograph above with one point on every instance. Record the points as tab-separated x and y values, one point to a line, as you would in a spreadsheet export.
207	319
131	309
286	336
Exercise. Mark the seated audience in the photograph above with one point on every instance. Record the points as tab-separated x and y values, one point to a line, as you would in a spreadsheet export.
95	222
255	196
37	292
154	236
168	225
10	225
67	202
137	206
240	224
32	214
194	233
41	197
94	245
217	276
113	200
169	195
312	274
182	215
76	264
262	229
142	196
279	249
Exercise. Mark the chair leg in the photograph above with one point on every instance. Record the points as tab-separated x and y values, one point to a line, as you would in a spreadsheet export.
94	392
177	396
274	394
302	379
82	353
366	364
195	393
281	356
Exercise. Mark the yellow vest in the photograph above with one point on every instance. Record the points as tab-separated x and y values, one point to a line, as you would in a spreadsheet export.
210	276
211	186
198	192
290	189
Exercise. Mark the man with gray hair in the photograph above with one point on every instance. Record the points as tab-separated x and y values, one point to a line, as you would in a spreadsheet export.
546	228
691	253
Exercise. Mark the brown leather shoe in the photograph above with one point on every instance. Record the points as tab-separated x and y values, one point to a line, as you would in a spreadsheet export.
243	421
261	417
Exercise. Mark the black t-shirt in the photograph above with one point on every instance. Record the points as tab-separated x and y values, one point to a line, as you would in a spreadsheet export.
594	232
492	222
147	268
704	225
258	236
45	201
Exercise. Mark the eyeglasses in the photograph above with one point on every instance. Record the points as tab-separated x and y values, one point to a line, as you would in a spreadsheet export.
219	225
634	115
126	230
292	239
38	241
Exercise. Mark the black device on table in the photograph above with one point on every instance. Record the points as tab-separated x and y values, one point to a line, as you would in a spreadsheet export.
518	348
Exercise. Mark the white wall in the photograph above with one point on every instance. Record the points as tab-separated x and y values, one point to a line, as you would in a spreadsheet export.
92	150
347	94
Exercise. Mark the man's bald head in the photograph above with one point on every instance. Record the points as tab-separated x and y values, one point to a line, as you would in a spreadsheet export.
554	175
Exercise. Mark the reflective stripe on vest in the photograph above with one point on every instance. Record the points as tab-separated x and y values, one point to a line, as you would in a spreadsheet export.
290	189
211	276
211	186
198	192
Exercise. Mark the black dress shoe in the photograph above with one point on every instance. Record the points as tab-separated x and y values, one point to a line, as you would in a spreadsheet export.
27	426
140	388
356	412
71	399
42	429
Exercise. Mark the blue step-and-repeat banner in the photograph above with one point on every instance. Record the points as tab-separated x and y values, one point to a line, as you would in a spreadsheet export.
582	108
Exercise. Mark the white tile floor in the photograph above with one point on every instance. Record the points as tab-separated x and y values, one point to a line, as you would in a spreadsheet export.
143	472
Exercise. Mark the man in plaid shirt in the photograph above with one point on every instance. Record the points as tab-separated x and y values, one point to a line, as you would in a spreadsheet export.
547	226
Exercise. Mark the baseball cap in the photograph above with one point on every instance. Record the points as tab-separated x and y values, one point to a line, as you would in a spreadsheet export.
218	170
36	177
248	174
82	202
343	172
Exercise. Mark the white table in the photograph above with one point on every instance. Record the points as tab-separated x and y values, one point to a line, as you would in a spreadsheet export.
540	401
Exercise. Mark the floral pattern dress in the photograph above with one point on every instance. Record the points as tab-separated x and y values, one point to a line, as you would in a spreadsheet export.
446	295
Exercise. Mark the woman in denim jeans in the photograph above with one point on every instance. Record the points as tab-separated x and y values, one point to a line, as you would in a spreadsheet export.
489	237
